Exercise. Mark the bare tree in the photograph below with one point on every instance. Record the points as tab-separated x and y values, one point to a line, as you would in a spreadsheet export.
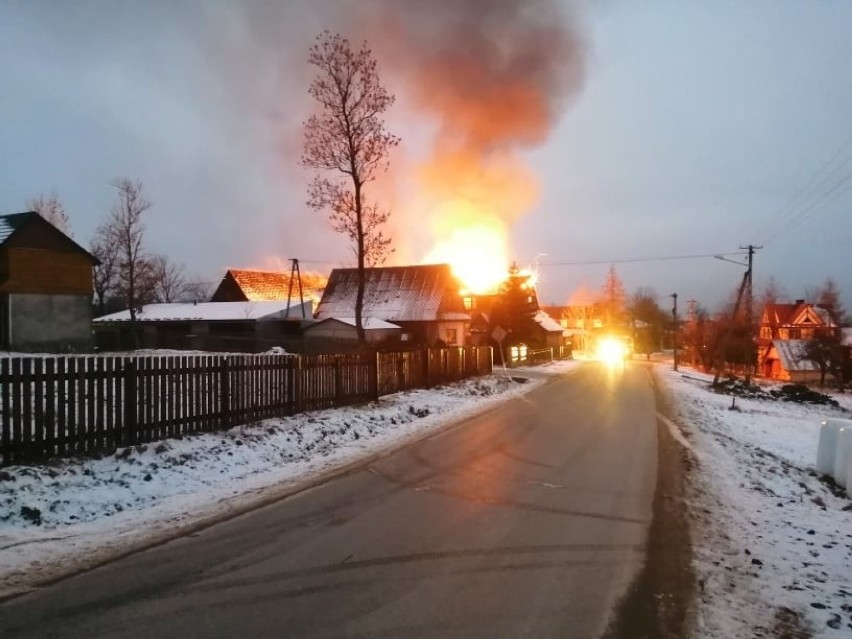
125	230
347	139
197	290
104	276
169	279
51	209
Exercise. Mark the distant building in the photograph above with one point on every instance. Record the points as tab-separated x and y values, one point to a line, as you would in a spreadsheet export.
208	326
424	300
783	334
45	287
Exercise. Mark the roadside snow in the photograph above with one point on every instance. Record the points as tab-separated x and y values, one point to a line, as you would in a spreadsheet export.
62	517
772	541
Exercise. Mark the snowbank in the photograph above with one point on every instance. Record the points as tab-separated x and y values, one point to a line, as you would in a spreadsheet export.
772	540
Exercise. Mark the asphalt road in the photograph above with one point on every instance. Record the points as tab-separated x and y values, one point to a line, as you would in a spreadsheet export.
528	521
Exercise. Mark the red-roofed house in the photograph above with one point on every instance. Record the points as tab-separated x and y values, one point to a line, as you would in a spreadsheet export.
784	331
424	300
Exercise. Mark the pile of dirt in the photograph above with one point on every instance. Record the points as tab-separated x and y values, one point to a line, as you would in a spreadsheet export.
802	395
738	388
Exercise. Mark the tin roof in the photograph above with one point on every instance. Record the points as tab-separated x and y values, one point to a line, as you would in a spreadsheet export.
425	292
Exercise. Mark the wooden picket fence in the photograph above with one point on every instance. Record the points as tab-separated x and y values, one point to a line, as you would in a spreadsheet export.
64	406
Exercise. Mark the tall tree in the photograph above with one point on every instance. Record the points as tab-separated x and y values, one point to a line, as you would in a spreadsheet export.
613	297
643	308
829	297
105	274
515	307
51	209
346	138
125	230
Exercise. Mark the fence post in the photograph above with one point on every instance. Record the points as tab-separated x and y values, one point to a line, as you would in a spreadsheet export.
128	430
338	382
224	393
374	376
426	358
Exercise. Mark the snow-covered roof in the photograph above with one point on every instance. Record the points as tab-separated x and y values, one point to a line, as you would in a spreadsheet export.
395	293
212	311
797	314
547	323
7	226
792	353
370	323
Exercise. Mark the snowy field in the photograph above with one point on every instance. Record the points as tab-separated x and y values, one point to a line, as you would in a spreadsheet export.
72	514
772	541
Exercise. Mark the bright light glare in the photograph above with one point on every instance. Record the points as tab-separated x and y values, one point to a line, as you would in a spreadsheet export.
611	351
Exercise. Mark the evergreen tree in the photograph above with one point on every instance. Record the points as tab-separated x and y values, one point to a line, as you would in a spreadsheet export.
515	307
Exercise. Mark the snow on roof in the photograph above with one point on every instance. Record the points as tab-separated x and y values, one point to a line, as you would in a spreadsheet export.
259	286
7	226
370	323
212	311
792	353
395	293
547	323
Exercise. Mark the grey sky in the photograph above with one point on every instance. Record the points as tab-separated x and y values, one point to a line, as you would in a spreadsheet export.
696	125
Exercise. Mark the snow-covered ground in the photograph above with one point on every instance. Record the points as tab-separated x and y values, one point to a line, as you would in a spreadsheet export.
772	541
61	517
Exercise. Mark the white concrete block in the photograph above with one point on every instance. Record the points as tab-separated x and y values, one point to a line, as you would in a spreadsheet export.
827	448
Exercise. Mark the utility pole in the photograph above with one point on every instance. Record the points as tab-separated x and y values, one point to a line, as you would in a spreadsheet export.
752	356
674	332
295	272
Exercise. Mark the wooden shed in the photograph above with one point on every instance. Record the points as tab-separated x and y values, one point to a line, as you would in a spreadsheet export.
45	287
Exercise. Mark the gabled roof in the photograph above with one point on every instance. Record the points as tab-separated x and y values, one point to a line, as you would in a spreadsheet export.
419	293
11	223
260	286
212	311
798	314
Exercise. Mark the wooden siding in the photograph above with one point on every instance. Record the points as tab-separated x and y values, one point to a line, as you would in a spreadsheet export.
45	272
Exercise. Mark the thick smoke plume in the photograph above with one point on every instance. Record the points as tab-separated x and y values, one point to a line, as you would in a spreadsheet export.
493	76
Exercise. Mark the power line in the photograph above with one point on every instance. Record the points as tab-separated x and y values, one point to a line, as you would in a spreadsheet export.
813	193
626	260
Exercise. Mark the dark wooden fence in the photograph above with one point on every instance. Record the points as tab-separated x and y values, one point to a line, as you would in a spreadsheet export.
63	406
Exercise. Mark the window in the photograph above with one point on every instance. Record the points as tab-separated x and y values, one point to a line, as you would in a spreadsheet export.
795	333
451	336
468	303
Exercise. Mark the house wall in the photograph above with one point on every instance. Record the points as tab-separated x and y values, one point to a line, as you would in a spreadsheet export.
338	331
49	323
29	270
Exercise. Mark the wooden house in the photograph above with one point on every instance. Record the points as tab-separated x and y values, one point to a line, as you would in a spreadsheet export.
784	331
45	287
424	300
